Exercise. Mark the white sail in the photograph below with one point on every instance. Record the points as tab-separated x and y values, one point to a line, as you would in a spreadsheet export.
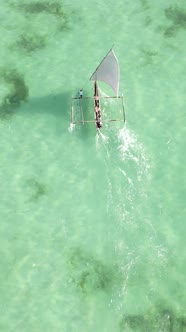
108	71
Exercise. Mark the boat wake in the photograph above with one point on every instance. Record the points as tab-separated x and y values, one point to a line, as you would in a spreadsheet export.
130	160
126	155
137	245
103	137
127	171
131	150
102	140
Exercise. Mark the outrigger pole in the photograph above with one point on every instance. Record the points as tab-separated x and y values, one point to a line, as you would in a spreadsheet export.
73	121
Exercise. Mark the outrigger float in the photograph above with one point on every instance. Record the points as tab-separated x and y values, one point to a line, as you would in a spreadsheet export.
107	72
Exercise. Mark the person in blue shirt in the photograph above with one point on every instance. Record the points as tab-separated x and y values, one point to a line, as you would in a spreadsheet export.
81	93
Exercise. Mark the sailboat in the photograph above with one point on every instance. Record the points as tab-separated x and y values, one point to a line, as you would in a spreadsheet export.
108	72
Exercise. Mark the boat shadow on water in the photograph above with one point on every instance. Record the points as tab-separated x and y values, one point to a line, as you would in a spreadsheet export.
83	112
57	105
54	105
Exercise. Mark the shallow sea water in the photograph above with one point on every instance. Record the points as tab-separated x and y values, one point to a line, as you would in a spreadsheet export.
92	232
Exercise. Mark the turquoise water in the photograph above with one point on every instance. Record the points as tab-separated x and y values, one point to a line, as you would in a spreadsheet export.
92	228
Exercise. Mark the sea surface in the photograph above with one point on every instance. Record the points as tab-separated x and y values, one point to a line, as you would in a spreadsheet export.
92	227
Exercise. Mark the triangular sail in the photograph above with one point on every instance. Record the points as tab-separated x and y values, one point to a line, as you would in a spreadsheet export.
108	71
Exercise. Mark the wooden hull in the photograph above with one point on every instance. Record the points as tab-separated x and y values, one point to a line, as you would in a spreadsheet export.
97	107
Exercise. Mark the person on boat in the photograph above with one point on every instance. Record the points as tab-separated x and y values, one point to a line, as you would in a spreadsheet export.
98	124
81	93
98	118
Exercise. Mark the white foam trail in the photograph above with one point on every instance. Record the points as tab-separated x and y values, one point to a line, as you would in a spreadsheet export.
131	149
137	240
133	164
71	127
97	141
102	140
122	171
169	141
127	274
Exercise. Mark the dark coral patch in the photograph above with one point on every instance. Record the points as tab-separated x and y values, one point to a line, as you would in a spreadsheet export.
170	31
18	92
145	4
55	9
177	15
88	273
31	43
148	21
156	319
148	57
37	189
38	7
